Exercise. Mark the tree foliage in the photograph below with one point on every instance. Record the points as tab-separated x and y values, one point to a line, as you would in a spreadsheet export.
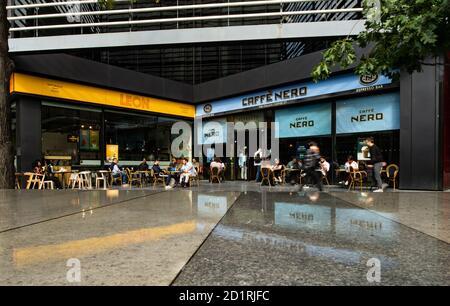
399	33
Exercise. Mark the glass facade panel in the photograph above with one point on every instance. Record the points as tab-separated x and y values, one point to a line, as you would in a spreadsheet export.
139	136
71	134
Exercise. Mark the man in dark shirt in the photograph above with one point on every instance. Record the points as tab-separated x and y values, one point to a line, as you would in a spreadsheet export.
376	163
311	165
143	166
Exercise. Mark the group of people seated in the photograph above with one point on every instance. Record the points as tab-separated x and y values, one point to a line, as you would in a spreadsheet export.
177	172
293	169
46	168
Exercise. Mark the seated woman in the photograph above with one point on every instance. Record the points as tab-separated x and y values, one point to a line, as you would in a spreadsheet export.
217	163
37	167
324	166
277	169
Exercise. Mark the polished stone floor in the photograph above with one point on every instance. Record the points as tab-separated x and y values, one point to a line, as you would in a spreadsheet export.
227	234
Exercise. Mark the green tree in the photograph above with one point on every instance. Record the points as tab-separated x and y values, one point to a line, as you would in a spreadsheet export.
398	34
6	68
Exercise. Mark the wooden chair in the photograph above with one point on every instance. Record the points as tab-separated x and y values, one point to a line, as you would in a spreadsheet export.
134	177
215	175
34	179
266	174
158	178
115	179
392	173
102	176
357	177
194	178
283	176
17	183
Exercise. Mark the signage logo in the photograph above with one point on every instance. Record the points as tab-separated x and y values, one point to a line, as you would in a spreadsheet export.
367	115
207	108
302	122
369	79
273	97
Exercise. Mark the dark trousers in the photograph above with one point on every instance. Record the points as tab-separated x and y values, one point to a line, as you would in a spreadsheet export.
316	178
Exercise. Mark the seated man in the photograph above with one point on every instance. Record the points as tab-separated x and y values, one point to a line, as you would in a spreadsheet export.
291	176
158	171
143	166
116	172
187	170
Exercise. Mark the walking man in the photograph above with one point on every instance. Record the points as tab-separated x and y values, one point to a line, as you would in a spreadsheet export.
312	166
376	163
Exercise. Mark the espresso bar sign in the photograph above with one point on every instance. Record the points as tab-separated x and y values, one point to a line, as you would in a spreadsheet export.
273	97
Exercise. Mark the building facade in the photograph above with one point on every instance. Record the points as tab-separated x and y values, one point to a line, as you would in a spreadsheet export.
90	82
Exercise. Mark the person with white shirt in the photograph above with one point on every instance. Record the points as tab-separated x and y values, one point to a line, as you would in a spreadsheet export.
116	172
350	166
243	164
187	170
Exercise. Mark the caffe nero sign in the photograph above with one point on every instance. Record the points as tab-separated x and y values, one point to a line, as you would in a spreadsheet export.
274	96
367	114
301	121
296	92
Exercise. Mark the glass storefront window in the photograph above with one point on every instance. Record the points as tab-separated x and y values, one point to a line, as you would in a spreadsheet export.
71	135
139	136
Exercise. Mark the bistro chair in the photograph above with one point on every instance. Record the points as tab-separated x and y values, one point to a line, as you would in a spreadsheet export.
283	176
34	179
215	175
133	177
325	179
115	179
266	174
101	179
392	173
85	180
194	178
17	183
49	185
158	178
357	177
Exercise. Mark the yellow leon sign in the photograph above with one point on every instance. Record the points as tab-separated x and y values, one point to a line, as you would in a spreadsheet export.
22	83
112	151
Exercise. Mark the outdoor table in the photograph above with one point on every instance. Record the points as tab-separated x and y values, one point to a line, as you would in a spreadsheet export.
63	176
143	174
18	175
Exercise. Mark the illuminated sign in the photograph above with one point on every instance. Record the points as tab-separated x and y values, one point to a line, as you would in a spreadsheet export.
294	93
368	114
302	121
21	83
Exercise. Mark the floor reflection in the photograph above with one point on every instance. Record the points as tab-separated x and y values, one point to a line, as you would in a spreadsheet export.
313	238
